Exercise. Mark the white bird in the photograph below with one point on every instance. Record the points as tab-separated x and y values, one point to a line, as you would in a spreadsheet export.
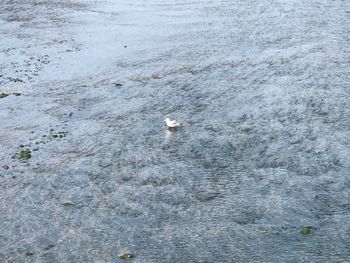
172	123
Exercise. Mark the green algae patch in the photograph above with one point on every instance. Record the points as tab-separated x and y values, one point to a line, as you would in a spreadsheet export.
306	230
3	95
23	155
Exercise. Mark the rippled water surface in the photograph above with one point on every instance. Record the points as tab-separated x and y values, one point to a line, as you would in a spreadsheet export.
258	173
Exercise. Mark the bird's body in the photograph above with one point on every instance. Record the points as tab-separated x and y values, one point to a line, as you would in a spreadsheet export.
172	123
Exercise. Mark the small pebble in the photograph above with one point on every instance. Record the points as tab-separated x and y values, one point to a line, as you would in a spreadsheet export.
126	255
68	203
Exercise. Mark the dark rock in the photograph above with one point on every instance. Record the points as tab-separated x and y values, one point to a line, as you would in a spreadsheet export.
68	203
48	247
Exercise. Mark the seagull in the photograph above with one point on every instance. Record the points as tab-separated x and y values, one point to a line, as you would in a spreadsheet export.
172	124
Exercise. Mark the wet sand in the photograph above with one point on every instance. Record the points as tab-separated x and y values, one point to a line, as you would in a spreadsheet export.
258	173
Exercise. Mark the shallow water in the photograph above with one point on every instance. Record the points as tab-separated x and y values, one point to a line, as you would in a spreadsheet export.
262	88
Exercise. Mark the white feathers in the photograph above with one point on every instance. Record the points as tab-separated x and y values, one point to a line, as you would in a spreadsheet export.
172	123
